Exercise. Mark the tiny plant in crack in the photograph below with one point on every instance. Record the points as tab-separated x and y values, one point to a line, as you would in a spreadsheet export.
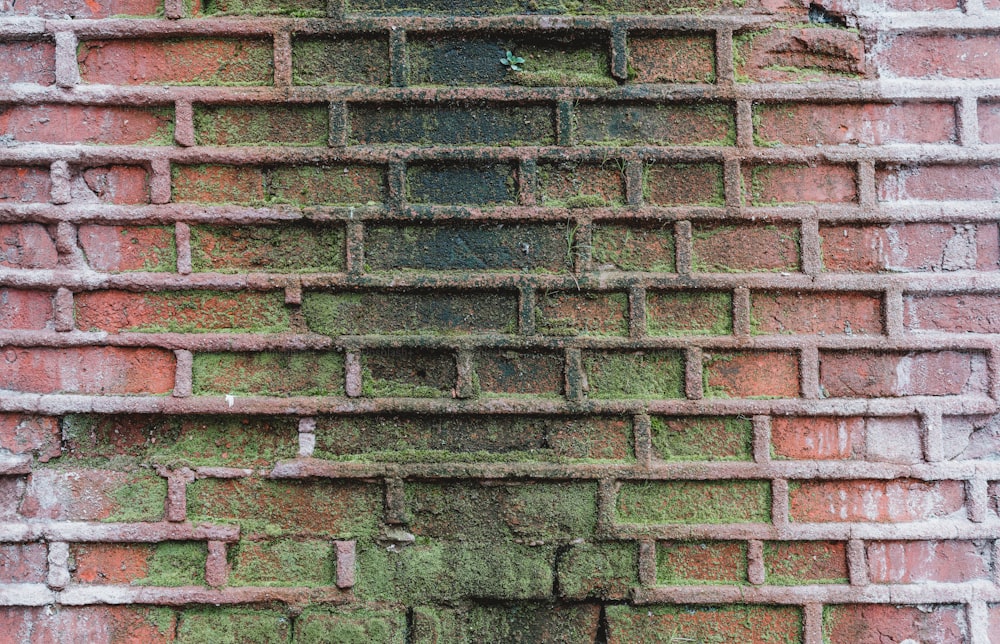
512	61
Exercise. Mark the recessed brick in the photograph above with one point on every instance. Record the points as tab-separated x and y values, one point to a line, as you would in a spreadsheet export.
744	248
705	562
176	61
925	373
822	313
854	123
28	61
911	247
893	501
751	374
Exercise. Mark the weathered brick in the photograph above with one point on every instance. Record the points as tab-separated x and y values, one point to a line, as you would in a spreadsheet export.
21	309
299	9
970	437
602	570
269	373
854	123
705	562
116	249
83	494
169	563
83	9
23	563
702	438
87	370
938	182
879	622
25	434
449	183
751	374
673	124
911	562
894	439
970	313
321	184
26	245
176	61
261	125
822	313
316	626
667	502
744	248
90	124
283	562
407	373
767	185
684	313
798	54
581	185
520	372
672	59
569	313
632	248
23	185
924	373
892	501
278	248
114	184
989	121
28	61
227	624
964	55
585	7
790	563
684	183
915	247
740	623
352	60
64	625
473	124
649	374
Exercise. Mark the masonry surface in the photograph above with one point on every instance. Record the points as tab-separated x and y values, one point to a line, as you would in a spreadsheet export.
320	323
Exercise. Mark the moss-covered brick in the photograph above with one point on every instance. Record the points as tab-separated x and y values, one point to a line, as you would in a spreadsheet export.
751	374
269	373
475	124
407	373
568	313
795	54
350	60
701	562
176	563
350	626
671	184
476	61
702	438
578	185
461	184
409	313
598	570
283	184
675	124
283	562
566	7
689	313
118	249
278	248
233	626
641	374
745	623
320	508
516	373
633	248
694	502
671	58
297	8
805	562
473	438
261	125
469	247
64	492
536	622
169	563
181	311
744	248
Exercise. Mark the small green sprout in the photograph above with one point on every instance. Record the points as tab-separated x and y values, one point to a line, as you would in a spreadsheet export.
512	61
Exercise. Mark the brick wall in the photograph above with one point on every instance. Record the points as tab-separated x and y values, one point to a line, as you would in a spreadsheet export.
321	324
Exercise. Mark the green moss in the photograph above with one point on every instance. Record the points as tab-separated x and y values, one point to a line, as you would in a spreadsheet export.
635	375
674	624
687	563
332	314
162	618
784	567
141	499
372	387
692	313
293	248
358	626
176	563
190	311
264	8
233	626
561	78
710	502
269	373
261	125
703	438
612	245
598	570
285	562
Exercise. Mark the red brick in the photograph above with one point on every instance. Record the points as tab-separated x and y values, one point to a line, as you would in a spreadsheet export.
93	495
197	311
27	61
63	625
868	123
710	562
751	374
22	434
744	623
880	623
894	439
684	312
571	184
666	124
115	184
939	182
923	5
684	183
910	248
86	124
188	61
802	562
744	248
671	59
128	248
633	248
911	562
785	184
520	372
84	9
575	313
966	56
23	563
110	563
282	184
970	313
989	120
24	185
822	313
87	370
25	309
26	245
928	373
893	501
796	55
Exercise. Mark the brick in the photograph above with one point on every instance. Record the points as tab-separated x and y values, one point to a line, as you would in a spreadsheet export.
923	5
410	313
299	9
88	124
822	313
525	623
351	60
269	373
741	623
116	184
632	248
464	437
473	124
695	502
938	182
798	55
23	185
864	623
481	184
20	309
407	373
465	247
744	248
116	249
689	313
581	185
910	562
969	437
84	10
275	508
925	373
283	562
790	563
28	61
751	374
894	439
770	185
169	563
684	183
23	563
65	625
26	245
969	313
649	374
176	61
87	370
854	123
181	311
261	125
304	185
707	562
25	434
917	55
475	60
231	624
602	570
315	626
702	438
12	489
894	501
581	313
587	7
672	59
663	124
904	248
84	494
989	121
520	372
277	248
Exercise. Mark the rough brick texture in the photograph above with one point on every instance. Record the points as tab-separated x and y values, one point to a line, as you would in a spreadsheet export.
331	321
